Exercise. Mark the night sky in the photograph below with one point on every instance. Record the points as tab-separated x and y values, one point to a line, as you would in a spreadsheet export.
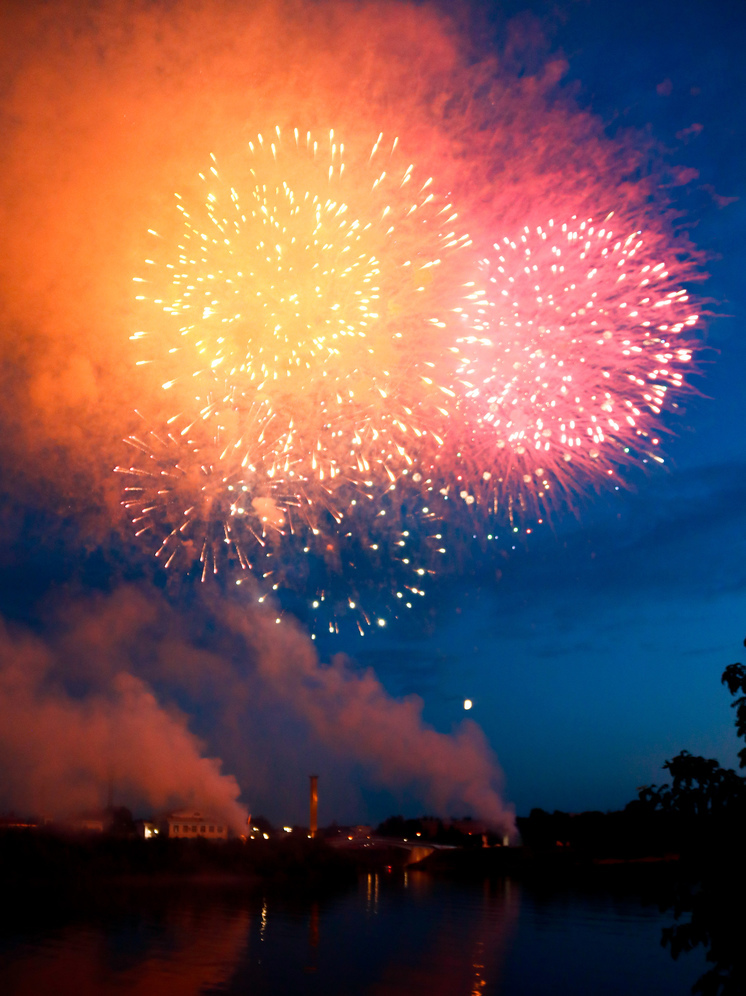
599	653
591	648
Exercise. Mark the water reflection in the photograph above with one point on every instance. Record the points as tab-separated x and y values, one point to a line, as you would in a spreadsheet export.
183	953
396	934
465	952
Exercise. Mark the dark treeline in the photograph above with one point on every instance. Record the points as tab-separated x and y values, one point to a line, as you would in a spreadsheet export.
45	857
633	833
433	830
707	806
697	820
704	803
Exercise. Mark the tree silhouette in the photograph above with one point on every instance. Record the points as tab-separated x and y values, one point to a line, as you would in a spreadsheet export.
700	787
708	803
734	676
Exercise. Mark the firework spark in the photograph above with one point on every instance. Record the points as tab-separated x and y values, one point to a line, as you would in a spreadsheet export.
371	570
586	340
201	504
326	288
198	509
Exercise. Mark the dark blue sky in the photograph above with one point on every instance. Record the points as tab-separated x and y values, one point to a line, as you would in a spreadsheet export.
599	653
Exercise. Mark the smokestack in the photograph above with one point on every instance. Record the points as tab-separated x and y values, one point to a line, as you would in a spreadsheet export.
314	803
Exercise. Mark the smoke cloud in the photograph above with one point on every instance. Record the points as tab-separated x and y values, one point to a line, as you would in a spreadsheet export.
77	712
352	712
60	750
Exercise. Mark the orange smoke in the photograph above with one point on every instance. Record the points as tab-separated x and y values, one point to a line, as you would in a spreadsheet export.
108	111
110	682
59	750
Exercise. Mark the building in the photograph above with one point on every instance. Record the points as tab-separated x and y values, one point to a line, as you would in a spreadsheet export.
188	823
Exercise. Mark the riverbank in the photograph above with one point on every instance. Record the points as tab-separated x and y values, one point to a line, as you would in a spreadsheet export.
37	859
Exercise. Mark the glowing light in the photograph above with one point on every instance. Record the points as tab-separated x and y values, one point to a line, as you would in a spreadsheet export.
574	366
300	315
349	378
321	295
468	704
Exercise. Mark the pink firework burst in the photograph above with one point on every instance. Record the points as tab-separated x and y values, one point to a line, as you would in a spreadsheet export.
585	335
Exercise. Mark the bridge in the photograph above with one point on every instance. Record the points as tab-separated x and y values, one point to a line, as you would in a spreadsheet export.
412	851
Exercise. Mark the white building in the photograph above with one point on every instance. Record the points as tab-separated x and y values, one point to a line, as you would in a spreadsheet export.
189	823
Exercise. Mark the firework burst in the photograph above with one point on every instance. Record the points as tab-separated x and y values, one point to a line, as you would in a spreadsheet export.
324	286
587	337
354	390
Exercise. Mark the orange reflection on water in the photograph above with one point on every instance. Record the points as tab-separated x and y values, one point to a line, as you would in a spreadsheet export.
189	954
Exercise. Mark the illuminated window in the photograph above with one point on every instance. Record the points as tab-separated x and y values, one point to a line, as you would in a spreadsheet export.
176	828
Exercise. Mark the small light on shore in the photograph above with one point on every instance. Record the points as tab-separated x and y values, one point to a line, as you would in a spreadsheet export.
468	703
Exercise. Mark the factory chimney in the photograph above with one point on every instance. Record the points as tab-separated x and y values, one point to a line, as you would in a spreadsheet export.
314	804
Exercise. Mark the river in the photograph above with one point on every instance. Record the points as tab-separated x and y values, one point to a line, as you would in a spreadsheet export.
398	934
